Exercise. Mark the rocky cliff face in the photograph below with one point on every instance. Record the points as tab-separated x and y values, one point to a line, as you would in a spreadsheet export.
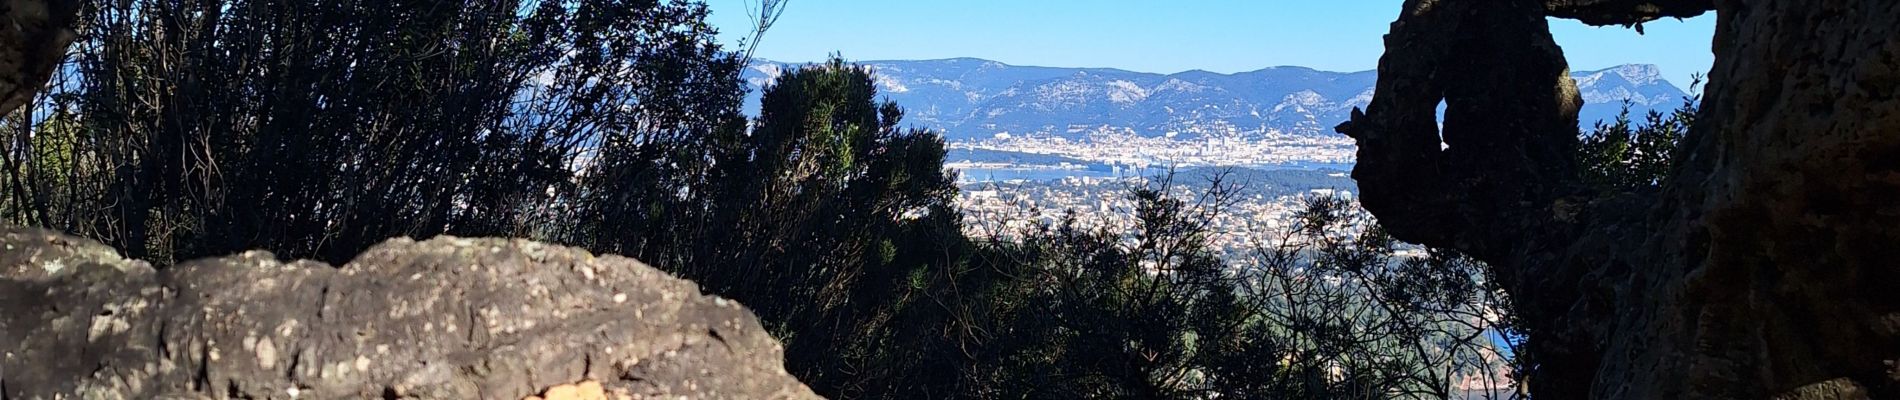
448	318
1763	269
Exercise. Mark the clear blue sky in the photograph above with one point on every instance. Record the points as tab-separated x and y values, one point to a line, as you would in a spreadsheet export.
1160	36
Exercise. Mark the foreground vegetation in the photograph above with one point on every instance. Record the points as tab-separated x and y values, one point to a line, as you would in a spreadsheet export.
315	129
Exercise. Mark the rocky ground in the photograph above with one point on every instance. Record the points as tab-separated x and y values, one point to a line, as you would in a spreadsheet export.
448	318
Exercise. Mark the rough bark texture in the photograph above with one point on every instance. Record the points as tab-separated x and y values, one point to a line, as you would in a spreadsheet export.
1765	268
1626	12
448	318
33	38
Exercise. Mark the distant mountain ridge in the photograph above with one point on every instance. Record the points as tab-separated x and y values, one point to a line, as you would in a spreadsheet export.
969	98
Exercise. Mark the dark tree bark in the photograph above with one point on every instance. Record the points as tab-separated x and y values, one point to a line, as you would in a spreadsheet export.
1763	268
1626	12
33	39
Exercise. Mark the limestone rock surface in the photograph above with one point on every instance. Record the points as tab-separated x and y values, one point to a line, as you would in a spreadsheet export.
448	318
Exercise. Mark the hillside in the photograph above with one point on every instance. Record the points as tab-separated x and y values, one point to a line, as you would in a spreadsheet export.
970	98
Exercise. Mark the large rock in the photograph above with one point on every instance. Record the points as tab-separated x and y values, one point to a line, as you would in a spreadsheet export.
448	318
33	39
1626	12
1764	268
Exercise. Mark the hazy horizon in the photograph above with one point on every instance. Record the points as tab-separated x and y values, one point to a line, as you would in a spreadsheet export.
1162	38
882	60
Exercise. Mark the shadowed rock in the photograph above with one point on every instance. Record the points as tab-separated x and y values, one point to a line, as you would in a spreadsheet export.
448	318
1626	12
33	39
1764	268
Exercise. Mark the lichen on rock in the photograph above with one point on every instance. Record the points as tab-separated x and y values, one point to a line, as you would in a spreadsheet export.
447	318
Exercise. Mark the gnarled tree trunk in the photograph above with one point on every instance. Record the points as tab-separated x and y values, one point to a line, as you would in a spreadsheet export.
1765	267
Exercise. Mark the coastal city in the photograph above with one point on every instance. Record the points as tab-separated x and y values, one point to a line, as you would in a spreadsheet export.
1006	210
1012	184
1124	146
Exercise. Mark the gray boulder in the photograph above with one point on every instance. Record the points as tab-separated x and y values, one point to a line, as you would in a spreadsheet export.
448	318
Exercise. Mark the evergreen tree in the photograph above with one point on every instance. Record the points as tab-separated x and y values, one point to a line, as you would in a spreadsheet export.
827	208
315	129
1623	155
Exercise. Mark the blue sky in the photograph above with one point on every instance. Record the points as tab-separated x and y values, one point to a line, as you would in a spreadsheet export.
1160	36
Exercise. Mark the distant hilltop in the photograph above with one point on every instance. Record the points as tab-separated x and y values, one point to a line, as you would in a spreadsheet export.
969	98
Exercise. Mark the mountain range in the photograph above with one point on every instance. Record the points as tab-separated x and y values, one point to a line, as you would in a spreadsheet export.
969	98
